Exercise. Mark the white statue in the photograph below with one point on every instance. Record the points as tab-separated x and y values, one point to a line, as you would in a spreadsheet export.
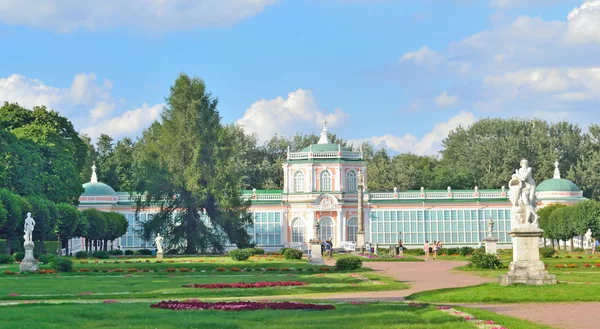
29	225
158	241
522	188
588	238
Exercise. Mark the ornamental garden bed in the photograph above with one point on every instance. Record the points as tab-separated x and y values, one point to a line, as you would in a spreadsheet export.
238	306
242	285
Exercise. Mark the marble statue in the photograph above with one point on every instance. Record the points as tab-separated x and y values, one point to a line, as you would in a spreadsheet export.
522	187
29	225
360	178
158	241
588	239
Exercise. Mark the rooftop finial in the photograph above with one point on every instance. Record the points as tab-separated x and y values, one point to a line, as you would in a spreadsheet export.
556	170
324	139
94	178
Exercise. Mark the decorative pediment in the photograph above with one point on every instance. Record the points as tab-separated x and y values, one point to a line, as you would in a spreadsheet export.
327	202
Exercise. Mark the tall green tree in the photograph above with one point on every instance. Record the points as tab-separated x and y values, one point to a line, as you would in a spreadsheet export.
189	166
66	223
547	223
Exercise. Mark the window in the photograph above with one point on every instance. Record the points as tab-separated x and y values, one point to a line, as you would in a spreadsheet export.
325	228
325	181
351	181
267	228
298	181
352	229
298	229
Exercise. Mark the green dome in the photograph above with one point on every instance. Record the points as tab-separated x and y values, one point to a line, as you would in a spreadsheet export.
557	185
98	189
324	148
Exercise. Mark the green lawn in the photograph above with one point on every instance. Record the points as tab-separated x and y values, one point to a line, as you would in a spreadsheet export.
140	315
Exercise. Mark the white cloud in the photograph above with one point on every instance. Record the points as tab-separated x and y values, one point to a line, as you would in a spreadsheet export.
154	15
296	113
129	123
584	23
429	144
445	100
424	56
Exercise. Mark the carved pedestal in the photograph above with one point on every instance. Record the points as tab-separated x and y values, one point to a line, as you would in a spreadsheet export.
159	256
315	249
588	251
28	264
360	242
526	267
491	245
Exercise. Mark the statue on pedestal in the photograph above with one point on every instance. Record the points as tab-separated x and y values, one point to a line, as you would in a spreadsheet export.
158	241
522	198
588	239
28	264
29	226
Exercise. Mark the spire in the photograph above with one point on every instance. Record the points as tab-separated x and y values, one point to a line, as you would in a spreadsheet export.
556	170
94	178
324	139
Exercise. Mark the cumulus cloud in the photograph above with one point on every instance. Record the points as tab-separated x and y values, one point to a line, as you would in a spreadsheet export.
445	100
154	15
429	144
296	113
127	124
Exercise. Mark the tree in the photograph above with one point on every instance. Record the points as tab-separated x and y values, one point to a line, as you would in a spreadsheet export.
379	173
586	215
189	166
122	160
116	227
45	215
547	223
16	209
562	219
96	230
105	161
66	224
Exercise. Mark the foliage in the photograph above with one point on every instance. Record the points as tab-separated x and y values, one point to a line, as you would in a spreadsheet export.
257	251
451	251
145	252
414	252
292	254
484	260
348	263
100	254
128	252
547	252
116	252
466	251
282	250
46	258
81	254
19	256
240	254
62	264
6	259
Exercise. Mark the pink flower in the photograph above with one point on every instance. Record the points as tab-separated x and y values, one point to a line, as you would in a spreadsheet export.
239	306
13	295
110	301
242	285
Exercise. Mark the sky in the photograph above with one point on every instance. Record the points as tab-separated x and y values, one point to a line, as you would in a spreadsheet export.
398	73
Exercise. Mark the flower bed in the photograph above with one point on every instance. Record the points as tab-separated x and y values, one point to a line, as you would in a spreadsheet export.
480	324
239	306
243	285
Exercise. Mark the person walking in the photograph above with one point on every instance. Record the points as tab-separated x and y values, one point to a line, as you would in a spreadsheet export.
434	249
328	249
426	249
439	247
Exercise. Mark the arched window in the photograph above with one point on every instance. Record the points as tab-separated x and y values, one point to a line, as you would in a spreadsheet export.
298	181
352	229
351	181
298	229
326	229
325	180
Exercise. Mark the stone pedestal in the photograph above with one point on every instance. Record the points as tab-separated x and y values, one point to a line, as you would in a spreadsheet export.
360	242
588	251
376	249
316	258
526	267
28	264
491	245
159	255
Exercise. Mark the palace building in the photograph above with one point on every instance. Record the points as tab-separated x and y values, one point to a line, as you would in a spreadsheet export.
321	187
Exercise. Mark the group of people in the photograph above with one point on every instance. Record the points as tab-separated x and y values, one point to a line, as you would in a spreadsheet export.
432	249
327	247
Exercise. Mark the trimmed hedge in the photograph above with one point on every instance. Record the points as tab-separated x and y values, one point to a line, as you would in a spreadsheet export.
348	263
145	252
240	254
19	256
62	264
128	252
292	254
47	258
6	259
485	261
116	252
466	251
81	254
100	254
547	252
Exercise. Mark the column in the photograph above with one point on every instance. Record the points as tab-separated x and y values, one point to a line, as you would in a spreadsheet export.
284	222
310	225
344	226
340	224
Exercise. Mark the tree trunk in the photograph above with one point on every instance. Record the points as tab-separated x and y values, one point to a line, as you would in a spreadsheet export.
191	232
572	247
7	247
552	242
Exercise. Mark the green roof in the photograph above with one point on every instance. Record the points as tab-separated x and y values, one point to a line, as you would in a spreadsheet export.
557	185
98	189
263	191
323	148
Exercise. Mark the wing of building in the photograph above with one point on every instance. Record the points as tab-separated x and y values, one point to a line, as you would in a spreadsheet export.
321	186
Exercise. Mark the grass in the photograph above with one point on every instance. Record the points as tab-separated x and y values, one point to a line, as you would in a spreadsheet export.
140	315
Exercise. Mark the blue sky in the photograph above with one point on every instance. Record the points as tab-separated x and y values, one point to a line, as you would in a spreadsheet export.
400	74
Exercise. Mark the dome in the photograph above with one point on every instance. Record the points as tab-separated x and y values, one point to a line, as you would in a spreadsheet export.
98	189
557	185
324	148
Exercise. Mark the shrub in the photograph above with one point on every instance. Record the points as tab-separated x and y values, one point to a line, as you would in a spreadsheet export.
129	252
465	251
451	251
547	252
6	259
257	251
19	256
485	261
100	254
62	264
47	258
282	250
293	254
145	252
81	254
116	252
414	252
240	254
348	263
578	250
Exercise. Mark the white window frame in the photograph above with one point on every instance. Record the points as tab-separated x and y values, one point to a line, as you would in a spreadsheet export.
351	181
298	230
352	227
299	181
326	180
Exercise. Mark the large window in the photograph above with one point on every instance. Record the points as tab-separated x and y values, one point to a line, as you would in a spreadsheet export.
451	226
352	229
298	230
325	228
131	239
267	228
351	181
325	181
298	181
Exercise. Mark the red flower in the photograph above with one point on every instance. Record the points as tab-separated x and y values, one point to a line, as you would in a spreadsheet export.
239	306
